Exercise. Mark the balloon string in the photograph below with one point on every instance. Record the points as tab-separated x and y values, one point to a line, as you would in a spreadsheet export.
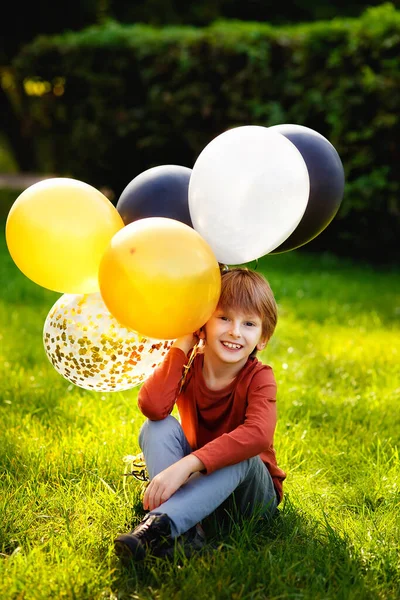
187	367
138	470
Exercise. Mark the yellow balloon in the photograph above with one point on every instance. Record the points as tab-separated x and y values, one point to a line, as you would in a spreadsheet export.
57	231
159	277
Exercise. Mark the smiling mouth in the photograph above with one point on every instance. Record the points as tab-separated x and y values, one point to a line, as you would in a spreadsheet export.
231	346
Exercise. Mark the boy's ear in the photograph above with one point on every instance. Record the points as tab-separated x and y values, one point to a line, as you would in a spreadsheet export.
261	344
200	333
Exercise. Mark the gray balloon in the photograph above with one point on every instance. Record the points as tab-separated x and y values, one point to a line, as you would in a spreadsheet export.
158	192
327	181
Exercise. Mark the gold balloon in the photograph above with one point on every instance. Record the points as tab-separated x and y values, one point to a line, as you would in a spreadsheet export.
158	276
57	231
89	348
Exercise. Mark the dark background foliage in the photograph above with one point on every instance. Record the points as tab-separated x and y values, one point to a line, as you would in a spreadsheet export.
22	24
124	98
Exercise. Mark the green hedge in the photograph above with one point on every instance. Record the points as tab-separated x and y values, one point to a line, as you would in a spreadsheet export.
136	96
7	198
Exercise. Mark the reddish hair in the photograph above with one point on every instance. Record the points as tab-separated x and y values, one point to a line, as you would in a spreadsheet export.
249	292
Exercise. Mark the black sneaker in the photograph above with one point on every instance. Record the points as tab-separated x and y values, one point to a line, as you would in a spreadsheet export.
150	536
188	543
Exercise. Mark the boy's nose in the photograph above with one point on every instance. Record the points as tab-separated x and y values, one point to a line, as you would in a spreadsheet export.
235	330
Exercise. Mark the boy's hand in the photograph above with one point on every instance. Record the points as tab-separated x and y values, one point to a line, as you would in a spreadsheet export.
187	342
166	483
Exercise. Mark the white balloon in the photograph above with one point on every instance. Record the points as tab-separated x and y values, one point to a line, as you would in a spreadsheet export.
89	347
248	191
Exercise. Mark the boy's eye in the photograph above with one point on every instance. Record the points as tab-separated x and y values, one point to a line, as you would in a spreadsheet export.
250	324
224	318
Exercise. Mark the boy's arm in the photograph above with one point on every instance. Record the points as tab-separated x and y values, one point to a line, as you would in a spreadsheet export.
166	483
251	438
186	342
158	393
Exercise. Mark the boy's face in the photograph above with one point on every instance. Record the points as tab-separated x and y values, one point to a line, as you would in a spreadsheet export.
231	336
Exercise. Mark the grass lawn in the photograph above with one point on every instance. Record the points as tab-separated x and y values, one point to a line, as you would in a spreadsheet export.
336	355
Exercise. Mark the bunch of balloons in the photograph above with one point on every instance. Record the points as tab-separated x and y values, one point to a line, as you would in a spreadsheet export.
136	276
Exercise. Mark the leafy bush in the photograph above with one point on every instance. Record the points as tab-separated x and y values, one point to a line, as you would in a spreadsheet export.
123	98
7	198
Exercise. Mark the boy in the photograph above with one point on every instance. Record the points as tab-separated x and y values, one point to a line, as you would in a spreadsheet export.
222	451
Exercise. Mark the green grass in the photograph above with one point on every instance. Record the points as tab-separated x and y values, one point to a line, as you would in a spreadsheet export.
336	356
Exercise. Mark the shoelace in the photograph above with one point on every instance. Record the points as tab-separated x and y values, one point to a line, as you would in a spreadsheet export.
157	532
144	527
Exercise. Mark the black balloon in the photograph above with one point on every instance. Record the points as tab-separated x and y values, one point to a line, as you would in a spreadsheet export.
158	192
326	175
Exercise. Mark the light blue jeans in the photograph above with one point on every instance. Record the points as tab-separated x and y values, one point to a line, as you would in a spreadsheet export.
247	485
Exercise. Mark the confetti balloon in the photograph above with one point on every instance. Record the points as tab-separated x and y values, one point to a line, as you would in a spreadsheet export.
92	350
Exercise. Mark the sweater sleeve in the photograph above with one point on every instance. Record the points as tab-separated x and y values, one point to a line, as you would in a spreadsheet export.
253	436
158	393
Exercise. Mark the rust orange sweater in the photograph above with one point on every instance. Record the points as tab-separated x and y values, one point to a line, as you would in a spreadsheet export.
222	427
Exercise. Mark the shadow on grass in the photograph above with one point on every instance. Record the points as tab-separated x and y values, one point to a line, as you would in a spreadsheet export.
293	556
